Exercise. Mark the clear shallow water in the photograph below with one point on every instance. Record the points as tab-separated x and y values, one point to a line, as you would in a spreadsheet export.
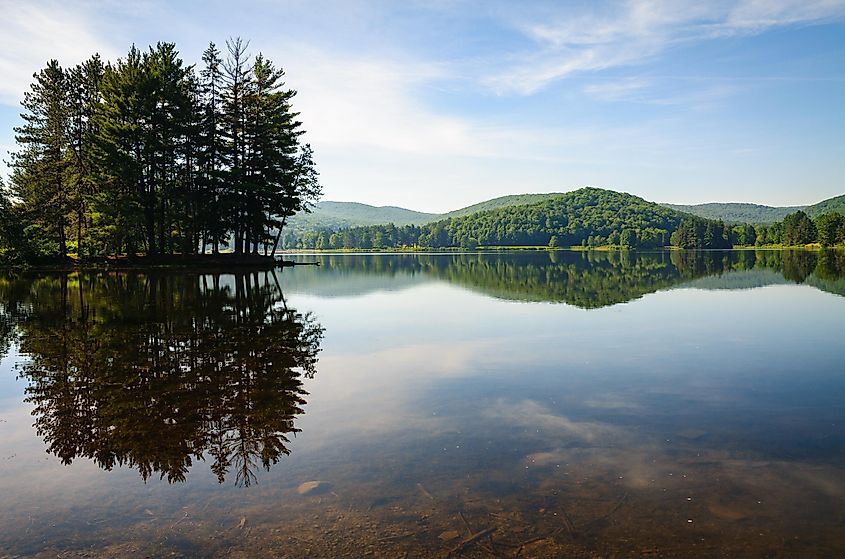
582	404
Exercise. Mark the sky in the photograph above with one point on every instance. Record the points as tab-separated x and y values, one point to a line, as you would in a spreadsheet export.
438	104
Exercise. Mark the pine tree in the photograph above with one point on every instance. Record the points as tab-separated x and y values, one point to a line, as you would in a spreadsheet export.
211	151
237	88
84	99
39	168
146	155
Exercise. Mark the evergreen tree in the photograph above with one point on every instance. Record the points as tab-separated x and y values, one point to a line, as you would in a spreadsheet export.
211	151
146	155
84	82
40	167
237	89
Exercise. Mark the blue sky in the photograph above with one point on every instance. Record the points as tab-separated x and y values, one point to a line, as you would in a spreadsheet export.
435	105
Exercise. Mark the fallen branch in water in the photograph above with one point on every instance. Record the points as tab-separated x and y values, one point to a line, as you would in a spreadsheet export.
469	540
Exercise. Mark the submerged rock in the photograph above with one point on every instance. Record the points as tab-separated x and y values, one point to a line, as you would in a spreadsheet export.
313	487
449	535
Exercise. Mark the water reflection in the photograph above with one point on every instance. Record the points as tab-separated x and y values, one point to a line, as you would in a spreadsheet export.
701	421
588	279
156	371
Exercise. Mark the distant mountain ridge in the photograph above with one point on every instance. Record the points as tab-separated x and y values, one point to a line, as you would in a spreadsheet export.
330	215
737	212
341	215
835	204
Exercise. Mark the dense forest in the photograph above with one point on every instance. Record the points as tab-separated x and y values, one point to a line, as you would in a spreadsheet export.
587	217
150	155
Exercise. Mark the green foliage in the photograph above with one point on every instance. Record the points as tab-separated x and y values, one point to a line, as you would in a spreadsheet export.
499	203
333	216
587	217
831	205
830	229
145	155
733	212
798	229
698	233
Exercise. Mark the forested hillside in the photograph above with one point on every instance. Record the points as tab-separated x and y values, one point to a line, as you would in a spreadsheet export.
734	212
757	214
587	217
500	202
831	205
339	215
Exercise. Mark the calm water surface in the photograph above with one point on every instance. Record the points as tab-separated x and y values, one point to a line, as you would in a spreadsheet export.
564	404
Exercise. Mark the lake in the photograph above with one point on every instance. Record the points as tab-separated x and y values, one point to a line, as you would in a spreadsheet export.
506	404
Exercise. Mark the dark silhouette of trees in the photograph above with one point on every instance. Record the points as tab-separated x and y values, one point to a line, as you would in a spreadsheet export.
157	371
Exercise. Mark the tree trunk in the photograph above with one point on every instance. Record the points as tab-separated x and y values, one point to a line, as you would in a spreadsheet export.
79	217
62	241
279	235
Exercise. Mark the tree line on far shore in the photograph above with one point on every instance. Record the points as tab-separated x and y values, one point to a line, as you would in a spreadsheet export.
150	155
587	217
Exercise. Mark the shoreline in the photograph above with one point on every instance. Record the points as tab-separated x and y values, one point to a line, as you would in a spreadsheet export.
125	263
255	261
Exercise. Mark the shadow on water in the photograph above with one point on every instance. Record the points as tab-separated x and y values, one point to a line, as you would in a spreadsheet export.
156	371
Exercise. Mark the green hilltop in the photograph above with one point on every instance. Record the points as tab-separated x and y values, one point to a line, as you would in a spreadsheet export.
500	202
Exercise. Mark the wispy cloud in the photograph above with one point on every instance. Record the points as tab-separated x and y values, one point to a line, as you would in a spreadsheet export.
31	33
623	89
636	31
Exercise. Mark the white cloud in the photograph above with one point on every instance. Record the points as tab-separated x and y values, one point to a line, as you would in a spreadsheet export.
757	15
636	31
369	102
31	33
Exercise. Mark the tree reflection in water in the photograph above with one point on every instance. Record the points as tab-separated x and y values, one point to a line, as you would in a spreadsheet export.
154	371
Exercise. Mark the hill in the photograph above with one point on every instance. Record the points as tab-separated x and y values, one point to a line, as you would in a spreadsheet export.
592	216
501	202
340	215
835	204
735	212
585	217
